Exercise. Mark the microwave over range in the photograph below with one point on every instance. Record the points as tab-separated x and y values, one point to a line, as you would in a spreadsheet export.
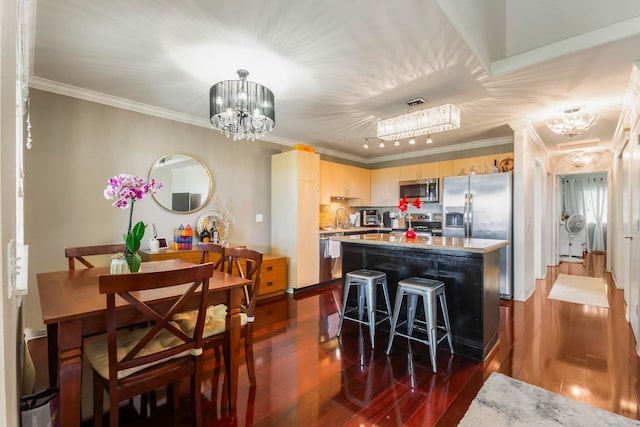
427	190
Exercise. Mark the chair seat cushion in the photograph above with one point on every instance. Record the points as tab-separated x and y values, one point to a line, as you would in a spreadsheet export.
215	320
98	355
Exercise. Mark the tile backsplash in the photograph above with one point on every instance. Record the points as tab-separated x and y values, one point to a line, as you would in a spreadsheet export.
328	212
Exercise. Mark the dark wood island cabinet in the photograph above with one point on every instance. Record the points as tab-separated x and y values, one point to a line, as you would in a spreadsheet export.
469	268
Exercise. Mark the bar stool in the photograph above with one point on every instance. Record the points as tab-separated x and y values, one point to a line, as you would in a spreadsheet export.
367	282
429	290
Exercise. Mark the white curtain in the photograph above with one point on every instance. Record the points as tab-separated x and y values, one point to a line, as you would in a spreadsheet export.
574	197
587	196
595	197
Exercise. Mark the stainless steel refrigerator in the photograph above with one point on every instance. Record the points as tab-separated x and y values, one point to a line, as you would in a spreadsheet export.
481	206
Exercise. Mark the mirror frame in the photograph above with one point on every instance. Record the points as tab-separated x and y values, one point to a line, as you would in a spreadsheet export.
207	199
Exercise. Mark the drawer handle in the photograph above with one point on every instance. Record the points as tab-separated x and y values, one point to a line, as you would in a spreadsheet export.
269	283
269	267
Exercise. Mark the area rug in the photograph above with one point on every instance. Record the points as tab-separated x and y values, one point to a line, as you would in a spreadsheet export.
504	401
580	289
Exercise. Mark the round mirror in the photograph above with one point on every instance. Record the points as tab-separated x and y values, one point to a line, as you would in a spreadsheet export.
187	185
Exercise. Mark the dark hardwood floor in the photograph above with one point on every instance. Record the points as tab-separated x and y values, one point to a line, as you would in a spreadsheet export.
308	377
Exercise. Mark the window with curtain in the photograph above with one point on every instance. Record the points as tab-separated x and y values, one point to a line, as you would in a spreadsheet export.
587	195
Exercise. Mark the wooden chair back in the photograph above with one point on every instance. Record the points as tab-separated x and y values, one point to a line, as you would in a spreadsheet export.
78	253
247	263
207	254
173	362
128	286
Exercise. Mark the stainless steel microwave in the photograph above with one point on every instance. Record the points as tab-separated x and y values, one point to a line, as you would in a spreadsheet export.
427	190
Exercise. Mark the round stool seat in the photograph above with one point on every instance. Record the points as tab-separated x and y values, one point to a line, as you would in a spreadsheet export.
421	284
365	274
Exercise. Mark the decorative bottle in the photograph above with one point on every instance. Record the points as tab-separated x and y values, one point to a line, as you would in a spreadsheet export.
215	236
204	234
495	167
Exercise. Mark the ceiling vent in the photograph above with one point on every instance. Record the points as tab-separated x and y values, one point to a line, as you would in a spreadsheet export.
415	101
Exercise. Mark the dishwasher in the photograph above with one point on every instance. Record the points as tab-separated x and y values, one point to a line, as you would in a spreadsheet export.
330	266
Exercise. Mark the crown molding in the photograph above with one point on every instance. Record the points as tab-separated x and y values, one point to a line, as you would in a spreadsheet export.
444	149
114	101
126	104
533	136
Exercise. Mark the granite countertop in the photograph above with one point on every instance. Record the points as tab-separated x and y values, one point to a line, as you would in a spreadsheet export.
354	230
425	242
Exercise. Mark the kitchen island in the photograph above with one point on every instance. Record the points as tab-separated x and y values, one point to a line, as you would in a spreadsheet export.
469	268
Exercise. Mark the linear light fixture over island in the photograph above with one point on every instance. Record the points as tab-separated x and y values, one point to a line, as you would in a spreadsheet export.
432	120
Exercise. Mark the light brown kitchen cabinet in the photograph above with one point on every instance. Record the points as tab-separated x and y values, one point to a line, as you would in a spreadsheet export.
350	182
385	190
479	165
384	182
445	168
295	215
420	171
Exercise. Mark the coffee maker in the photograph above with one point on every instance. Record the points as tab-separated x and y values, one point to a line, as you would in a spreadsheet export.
369	218
391	220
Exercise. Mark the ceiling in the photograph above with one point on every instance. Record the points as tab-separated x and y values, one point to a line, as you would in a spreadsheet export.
336	67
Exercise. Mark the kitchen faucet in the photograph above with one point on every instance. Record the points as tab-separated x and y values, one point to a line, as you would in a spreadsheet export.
346	217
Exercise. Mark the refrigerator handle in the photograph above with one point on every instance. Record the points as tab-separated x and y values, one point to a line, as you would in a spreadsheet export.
465	215
470	216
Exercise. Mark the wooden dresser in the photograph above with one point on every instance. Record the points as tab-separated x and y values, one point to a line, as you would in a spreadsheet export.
191	255
273	276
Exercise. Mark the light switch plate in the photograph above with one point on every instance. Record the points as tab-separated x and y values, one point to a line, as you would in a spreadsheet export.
259	218
11	268
22	269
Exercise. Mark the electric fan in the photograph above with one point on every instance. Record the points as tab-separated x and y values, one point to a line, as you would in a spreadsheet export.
575	225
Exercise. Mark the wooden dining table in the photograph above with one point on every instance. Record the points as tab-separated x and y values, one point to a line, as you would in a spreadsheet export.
71	300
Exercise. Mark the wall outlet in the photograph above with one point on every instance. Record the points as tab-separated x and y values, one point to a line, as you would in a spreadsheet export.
259	217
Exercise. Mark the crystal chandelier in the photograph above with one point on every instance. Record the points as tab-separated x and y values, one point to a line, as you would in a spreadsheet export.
423	122
242	108
573	122
580	158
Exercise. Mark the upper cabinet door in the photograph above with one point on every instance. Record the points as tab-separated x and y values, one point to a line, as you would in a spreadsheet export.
478	165
420	171
385	188
338	180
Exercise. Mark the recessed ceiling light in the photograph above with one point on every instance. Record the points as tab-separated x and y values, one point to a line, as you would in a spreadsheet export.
412	141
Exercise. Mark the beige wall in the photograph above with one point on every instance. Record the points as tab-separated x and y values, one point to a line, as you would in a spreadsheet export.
10	329
527	151
78	145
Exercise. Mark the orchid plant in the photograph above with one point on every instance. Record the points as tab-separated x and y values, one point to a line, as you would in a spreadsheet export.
404	205
127	189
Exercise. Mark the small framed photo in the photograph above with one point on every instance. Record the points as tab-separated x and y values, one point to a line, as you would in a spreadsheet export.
163	243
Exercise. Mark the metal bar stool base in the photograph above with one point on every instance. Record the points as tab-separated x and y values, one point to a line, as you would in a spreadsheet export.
431	291
367	282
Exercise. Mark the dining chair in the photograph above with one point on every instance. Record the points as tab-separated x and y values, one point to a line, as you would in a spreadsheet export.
73	254
246	263
207	249
129	362
78	253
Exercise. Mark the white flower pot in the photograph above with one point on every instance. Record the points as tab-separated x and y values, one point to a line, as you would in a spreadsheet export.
154	245
119	266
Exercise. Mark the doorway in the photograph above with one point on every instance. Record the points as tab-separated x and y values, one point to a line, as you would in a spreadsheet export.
582	225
